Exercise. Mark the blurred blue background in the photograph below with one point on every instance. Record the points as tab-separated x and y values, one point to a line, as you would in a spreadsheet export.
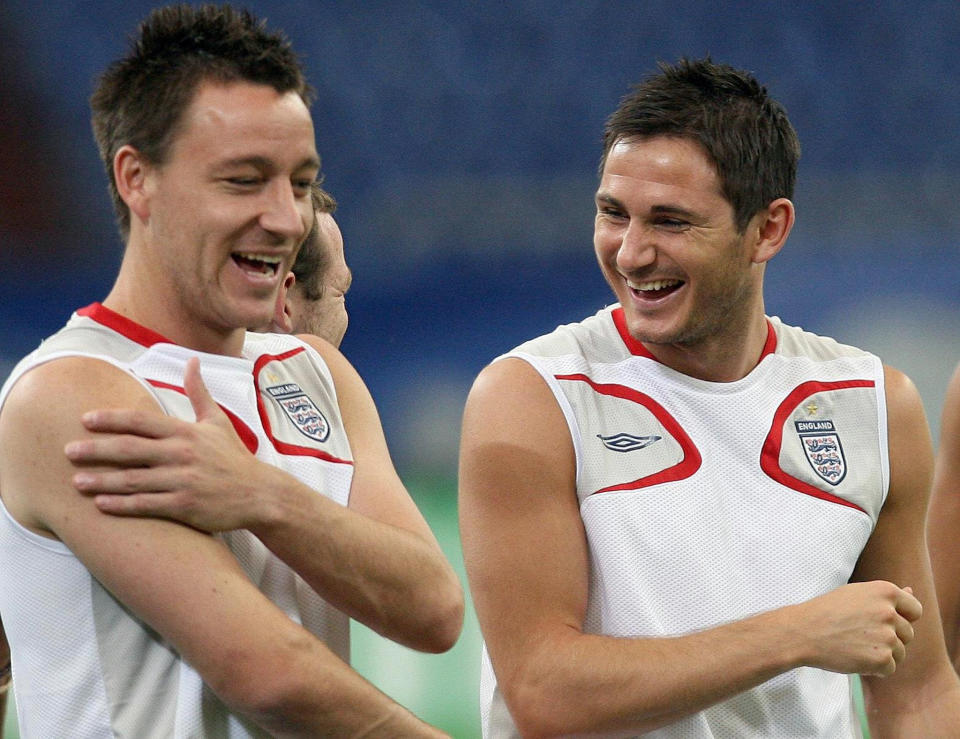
461	140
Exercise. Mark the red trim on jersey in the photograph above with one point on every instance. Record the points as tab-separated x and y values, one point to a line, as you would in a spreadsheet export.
282	446
122	325
245	433
633	346
770	453
691	456
638	349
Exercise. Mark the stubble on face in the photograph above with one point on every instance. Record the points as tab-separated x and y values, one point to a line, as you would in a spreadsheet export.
230	187
660	200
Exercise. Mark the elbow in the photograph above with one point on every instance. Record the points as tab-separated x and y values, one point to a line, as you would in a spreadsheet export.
270	690
537	708
444	621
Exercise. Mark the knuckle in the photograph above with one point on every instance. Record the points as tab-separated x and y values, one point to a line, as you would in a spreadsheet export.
132	480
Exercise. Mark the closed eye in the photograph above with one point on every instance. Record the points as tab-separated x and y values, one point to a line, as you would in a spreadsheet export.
244	181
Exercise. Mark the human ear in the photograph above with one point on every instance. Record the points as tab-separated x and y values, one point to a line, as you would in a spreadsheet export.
773	226
130	175
282	313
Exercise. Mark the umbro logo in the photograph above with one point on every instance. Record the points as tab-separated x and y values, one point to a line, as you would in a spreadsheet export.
627	442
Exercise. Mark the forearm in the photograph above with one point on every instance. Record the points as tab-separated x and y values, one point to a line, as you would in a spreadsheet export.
929	711
390	579
327	698
574	682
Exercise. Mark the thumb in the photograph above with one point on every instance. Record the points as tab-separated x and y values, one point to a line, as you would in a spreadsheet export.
204	406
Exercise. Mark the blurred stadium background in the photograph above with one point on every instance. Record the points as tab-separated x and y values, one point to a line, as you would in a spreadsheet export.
461	140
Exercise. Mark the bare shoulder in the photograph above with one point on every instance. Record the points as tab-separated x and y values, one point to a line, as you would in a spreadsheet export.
910	445
514	438
509	398
903	398
41	414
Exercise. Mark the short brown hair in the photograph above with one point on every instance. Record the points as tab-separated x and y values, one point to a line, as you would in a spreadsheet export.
744	131
140	99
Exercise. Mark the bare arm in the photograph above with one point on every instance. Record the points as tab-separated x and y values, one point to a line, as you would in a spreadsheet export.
943	521
923	698
527	559
376	560
260	662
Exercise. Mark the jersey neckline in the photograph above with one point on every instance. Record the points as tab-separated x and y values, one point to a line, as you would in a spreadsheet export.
637	348
123	325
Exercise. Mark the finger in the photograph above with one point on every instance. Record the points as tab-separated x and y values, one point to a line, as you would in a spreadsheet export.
159	505
899	651
907	605
129	421
904	630
121	450
124	482
884	670
204	406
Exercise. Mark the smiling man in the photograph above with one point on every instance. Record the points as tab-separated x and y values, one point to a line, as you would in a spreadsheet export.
178	561
682	516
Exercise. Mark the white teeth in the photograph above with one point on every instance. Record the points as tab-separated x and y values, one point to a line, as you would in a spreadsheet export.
268	259
652	285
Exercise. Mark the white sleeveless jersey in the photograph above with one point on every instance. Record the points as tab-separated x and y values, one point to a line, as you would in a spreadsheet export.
83	665
704	503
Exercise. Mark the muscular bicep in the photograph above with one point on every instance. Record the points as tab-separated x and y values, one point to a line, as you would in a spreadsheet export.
185	584
523	540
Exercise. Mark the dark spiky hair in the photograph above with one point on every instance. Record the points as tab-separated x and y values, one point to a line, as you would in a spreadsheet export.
744	132
141	98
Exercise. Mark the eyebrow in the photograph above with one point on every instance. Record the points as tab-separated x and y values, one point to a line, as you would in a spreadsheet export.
663	209
603	197
261	162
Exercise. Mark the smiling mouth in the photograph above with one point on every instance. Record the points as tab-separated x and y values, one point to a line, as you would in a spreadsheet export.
650	289
259	263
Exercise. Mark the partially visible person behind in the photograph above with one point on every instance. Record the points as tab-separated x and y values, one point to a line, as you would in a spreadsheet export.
192	513
943	521
681	515
312	298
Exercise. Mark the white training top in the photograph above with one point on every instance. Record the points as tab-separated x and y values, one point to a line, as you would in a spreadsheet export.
704	503
83	665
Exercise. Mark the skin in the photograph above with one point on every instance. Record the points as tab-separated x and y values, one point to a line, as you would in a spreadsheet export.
661	217
943	517
238	181
325	317
215	198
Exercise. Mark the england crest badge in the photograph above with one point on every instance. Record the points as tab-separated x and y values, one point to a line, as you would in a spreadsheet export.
301	410
821	444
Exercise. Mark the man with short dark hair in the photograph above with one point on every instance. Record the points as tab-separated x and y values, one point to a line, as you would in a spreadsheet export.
684	517
183	561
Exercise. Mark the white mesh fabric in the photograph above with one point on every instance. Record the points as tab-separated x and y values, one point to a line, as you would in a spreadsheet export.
722	538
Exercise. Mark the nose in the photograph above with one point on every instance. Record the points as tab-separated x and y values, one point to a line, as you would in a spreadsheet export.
283	212
637	248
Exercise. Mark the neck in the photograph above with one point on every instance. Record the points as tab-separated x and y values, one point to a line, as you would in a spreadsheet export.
154	305
725	358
